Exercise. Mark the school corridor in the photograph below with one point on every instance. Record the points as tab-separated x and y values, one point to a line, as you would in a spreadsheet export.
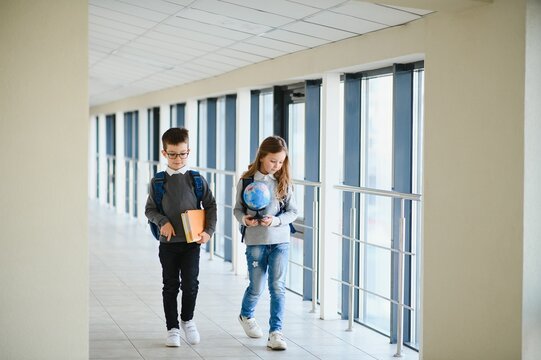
126	313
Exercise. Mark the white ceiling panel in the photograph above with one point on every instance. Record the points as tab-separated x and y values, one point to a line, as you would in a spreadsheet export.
411	10
227	60
201	70
105	44
198	26
105	39
295	38
190	47
319	31
217	67
171	52
120	17
125	8
165	7
321	4
280	7
275	44
194	36
344	22
224	21
376	13
257	50
251	58
155	57
137	46
181	2
243	13
105	31
112	24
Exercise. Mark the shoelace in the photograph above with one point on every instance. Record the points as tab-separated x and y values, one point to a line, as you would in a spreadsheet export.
251	323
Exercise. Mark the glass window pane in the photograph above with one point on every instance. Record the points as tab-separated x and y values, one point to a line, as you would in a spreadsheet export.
376	173
202	129
220	179
296	150
266	119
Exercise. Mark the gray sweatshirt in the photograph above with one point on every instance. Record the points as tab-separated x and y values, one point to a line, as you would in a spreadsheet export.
179	196
279	231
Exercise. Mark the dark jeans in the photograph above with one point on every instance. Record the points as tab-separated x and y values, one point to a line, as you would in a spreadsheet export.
180	269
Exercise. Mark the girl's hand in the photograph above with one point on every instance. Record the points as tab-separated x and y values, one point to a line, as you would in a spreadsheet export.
266	221
250	221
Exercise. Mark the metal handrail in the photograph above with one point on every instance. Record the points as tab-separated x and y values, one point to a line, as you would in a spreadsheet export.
378	192
374	245
401	253
315	237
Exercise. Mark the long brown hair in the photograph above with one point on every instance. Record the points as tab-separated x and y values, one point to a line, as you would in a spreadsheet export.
273	145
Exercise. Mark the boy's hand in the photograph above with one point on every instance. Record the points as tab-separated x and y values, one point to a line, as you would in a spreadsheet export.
250	221
266	221
167	231
204	238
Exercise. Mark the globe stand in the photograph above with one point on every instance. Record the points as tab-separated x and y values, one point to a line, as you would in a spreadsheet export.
257	215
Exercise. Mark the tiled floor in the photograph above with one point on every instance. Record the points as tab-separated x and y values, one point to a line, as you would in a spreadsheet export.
127	321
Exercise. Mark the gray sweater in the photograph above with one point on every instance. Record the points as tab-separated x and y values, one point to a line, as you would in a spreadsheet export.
279	231
179	196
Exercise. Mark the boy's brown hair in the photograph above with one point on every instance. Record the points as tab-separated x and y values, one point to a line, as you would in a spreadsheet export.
174	136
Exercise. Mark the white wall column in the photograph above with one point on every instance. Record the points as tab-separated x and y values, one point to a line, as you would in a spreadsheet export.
190	122
120	166
331	203
102	133
92	161
242	161
165	124
143	168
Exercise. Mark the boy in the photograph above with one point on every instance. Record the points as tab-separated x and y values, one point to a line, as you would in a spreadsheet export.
179	258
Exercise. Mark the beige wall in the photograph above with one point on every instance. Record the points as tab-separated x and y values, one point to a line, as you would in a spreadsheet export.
43	152
474	180
473	163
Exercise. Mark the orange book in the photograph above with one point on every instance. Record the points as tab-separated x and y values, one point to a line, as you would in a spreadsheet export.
193	222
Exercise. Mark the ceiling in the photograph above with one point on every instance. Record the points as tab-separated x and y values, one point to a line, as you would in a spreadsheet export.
140	46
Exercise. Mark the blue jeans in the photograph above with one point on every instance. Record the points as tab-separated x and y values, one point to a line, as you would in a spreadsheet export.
263	260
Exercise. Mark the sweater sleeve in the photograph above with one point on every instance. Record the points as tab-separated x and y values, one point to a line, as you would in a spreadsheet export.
151	209
209	204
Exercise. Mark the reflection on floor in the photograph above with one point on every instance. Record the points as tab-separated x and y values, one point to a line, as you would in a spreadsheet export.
127	321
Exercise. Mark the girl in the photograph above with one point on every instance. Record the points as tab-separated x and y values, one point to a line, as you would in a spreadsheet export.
267	239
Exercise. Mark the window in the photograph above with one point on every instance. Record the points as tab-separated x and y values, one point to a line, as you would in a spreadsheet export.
376	173
382	149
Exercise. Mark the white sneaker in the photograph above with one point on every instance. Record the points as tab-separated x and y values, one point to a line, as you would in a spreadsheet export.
250	327
173	337
276	341
192	335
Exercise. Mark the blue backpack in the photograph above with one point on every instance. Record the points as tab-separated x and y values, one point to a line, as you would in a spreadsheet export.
246	182
159	190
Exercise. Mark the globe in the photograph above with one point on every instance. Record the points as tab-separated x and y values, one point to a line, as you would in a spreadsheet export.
256	196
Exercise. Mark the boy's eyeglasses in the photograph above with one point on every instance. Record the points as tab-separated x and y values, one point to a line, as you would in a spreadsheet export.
182	155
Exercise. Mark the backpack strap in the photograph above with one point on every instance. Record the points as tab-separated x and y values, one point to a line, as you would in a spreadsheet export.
159	190
197	186
245	182
283	210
